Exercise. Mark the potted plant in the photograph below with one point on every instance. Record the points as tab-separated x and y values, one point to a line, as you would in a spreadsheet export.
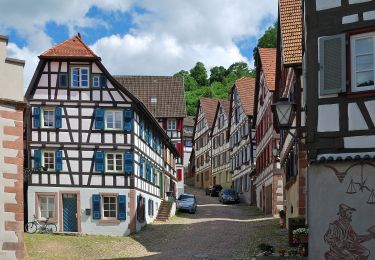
300	235
282	220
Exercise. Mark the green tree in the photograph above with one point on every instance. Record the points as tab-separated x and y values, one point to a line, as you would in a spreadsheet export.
189	81
217	74
199	73
268	40
239	69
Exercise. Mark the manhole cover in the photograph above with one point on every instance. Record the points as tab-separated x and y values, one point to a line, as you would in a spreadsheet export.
200	256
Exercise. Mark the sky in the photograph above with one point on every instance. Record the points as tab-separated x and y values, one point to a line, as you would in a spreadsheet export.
139	37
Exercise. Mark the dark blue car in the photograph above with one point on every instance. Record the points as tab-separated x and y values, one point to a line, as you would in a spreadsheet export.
229	196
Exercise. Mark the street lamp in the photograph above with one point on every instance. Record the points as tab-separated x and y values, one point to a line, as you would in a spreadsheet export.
284	110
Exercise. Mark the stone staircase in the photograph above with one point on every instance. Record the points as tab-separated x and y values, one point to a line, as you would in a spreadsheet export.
164	211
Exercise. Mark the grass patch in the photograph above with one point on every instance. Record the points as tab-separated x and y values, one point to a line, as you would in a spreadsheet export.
48	246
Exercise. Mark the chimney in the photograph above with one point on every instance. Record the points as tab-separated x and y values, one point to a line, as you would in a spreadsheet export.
79	35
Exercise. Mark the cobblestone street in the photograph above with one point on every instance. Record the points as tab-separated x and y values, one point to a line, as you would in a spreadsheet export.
216	231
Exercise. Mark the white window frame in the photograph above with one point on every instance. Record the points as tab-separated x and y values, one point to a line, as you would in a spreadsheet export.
54	159
53	209
105	120
51	110
353	39
172	124
114	162
102	206
80	77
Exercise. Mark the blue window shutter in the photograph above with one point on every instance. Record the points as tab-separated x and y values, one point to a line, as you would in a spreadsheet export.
152	208
103	81
99	118
141	167
141	129
161	148
37	158
58	157
36	115
58	117
128	119
154	142
129	162
122	207
96	206
99	161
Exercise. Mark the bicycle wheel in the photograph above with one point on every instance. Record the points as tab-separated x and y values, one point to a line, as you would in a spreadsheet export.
51	228
30	227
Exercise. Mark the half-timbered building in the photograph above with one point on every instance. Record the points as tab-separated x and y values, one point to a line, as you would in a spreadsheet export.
340	127
164	97
107	164
269	182
241	134
220	146
292	154
11	155
202	141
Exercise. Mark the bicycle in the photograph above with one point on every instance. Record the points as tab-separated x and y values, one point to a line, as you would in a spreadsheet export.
35	225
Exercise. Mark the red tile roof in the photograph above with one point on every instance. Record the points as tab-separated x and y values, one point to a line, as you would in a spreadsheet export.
73	47
268	60
209	108
226	106
246	90
291	30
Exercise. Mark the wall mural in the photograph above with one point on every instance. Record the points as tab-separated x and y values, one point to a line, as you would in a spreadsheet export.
343	241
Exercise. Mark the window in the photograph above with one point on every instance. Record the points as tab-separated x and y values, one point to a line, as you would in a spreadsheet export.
47	206
362	53
48	118
171	124
113	119
154	100
79	77
96	81
49	160
188	143
114	162
110	206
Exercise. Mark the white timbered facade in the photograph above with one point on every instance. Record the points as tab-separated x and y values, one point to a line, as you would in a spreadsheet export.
242	138
220	146
104	159
202	141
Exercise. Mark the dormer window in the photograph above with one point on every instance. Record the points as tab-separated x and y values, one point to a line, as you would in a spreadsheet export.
154	100
79	77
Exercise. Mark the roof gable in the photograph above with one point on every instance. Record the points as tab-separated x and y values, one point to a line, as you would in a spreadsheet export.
290	13
246	89
268	64
209	108
73	47
225	105
163	96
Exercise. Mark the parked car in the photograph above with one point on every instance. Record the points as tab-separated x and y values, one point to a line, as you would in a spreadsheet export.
229	196
187	202
213	191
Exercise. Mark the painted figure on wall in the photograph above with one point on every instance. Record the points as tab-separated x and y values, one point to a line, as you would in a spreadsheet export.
344	242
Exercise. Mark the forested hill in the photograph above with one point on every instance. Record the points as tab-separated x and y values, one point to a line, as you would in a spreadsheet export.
220	79
217	85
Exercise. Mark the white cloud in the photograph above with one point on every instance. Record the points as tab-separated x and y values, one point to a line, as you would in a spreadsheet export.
166	36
